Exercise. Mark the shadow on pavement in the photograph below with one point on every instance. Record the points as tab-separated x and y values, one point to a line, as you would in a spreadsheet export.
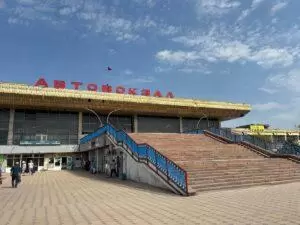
121	183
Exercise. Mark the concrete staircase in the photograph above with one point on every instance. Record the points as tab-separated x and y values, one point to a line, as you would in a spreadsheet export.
212	164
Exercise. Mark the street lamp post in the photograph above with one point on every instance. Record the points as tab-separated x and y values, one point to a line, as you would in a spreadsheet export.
92	111
204	116
107	120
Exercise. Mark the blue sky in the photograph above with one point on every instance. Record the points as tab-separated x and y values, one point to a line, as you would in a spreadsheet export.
224	50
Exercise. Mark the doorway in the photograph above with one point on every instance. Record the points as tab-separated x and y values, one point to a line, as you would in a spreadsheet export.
64	163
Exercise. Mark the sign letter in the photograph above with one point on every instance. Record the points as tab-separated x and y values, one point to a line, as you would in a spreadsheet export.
146	92
106	88
92	87
170	95
157	94
59	84
132	91
120	90
41	82
76	84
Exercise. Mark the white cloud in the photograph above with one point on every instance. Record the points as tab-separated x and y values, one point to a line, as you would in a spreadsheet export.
128	72
216	7
92	16
169	30
289	117
148	3
268	106
162	69
269	57
67	11
237	45
27	2
246	12
137	80
232	51
2	4
268	90
256	3
176	57
290	80
278	6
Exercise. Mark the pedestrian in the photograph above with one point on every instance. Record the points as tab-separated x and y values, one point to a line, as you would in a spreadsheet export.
15	173
113	168
0	173
107	172
30	166
23	167
118	166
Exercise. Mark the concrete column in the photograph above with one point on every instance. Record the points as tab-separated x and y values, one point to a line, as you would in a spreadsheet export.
79	126
11	127
180	125
135	124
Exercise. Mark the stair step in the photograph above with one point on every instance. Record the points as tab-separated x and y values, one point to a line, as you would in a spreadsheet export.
235	186
212	164
232	179
244	181
240	173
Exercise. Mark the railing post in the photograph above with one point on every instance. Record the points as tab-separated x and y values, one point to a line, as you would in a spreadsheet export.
155	154
147	154
167	169
186	182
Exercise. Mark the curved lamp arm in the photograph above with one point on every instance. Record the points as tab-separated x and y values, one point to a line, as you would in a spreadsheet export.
204	116
107	120
92	111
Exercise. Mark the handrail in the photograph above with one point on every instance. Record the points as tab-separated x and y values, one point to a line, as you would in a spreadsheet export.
146	152
276	147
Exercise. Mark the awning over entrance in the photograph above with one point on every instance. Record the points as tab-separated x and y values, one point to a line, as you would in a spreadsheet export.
15	149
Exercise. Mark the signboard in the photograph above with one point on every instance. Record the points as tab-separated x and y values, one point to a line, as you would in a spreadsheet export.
40	142
60	84
257	128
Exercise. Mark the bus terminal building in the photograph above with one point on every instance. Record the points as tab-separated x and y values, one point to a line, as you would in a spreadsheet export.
45	124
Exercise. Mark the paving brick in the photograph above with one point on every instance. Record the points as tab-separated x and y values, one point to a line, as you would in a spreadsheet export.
80	198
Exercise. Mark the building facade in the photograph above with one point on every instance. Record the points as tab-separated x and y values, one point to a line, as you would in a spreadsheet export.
46	124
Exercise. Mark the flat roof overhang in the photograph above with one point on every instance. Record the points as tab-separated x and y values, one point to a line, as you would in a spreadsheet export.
29	97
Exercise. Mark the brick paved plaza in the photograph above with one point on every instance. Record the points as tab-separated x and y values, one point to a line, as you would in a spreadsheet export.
81	198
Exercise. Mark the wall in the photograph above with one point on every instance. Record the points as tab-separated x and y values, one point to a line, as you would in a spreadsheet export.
149	124
58	126
139	172
4	123
90	122
201	123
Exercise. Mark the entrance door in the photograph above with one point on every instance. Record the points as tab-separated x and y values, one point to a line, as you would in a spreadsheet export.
69	163
54	163
57	163
64	163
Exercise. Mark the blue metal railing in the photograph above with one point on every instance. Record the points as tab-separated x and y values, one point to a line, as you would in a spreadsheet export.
274	147
144	152
290	148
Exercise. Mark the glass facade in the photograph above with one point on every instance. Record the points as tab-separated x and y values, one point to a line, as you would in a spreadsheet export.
90	122
31	125
147	124
191	124
4	123
37	159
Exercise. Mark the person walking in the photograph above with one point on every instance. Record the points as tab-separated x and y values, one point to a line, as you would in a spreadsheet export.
23	167
15	173
118	166
113	168
30	166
